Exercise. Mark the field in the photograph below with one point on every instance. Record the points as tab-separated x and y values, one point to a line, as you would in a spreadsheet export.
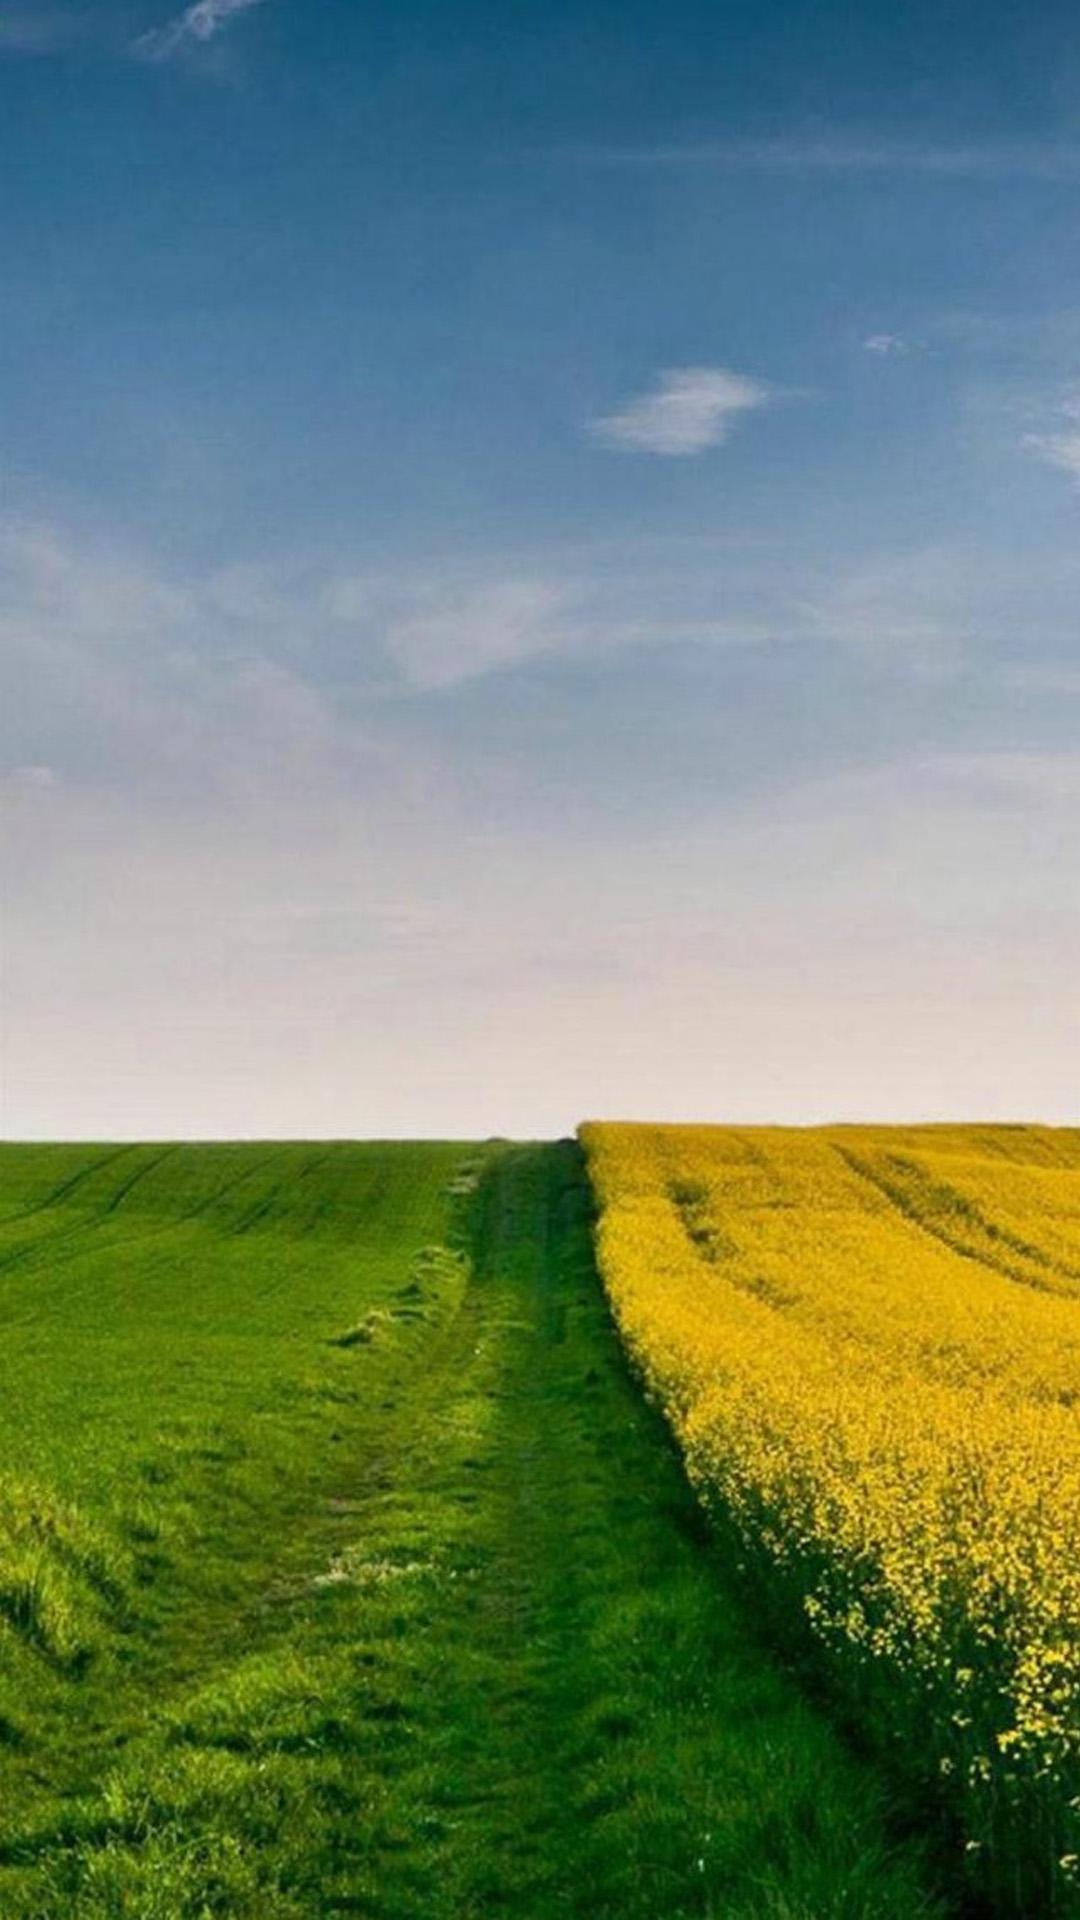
867	1344
345	1569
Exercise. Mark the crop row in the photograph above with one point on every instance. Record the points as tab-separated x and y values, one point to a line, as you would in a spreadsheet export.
868	1346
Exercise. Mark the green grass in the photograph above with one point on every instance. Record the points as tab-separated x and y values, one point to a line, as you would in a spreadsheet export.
343	1570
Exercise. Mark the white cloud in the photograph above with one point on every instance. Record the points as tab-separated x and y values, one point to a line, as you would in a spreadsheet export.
887	346
50	583
937	611
1060	449
247	881
916	607
33	779
437	628
450	637
113	676
198	23
1061	446
690	410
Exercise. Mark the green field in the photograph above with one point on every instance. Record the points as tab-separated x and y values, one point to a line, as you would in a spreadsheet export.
343	1569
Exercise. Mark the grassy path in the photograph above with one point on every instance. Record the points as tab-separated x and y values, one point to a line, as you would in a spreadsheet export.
602	1736
511	1680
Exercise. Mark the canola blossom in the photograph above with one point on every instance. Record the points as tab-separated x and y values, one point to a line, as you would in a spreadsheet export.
867	1342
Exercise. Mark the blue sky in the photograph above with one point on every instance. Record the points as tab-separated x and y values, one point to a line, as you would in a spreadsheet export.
538	563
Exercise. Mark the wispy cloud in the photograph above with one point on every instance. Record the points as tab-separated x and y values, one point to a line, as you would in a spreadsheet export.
50	582
689	410
198	23
439	631
1061	446
450	638
851	153
258	850
1061	449
887	346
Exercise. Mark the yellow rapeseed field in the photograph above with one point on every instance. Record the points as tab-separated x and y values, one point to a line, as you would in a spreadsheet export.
867	1341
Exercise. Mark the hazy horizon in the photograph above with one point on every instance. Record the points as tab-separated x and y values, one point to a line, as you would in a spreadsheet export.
538	566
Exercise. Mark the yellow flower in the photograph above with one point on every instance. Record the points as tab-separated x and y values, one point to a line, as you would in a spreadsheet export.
867	1342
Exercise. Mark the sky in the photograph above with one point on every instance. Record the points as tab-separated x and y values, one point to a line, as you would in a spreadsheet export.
539	565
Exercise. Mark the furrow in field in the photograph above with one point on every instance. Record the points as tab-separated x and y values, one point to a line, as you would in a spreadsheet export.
957	1220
